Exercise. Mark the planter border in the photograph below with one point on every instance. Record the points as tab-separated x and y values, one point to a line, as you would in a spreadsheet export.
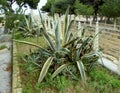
16	81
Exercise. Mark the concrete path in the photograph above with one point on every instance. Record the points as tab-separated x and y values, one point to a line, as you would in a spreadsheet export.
5	65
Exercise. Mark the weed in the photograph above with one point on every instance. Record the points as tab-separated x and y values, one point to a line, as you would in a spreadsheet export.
3	47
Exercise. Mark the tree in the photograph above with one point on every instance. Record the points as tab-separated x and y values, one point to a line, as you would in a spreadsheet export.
32	3
83	9
47	7
110	8
60	6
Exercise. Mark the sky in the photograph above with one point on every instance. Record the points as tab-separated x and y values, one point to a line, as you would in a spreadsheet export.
40	4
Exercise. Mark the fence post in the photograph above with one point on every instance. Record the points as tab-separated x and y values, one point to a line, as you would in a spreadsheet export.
115	24
90	21
96	39
79	29
45	20
49	24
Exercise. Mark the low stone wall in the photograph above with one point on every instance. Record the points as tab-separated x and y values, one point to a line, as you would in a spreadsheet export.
109	41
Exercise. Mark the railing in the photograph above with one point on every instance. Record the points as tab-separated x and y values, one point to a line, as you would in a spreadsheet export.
108	38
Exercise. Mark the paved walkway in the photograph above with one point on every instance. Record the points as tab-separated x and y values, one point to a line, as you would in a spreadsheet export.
5	64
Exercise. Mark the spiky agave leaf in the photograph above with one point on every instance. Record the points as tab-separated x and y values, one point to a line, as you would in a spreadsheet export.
32	44
70	42
41	20
82	71
45	69
29	26
48	39
60	69
82	47
27	22
45	33
58	44
65	24
68	32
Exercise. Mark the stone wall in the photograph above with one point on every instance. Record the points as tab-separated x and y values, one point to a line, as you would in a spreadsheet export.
109	41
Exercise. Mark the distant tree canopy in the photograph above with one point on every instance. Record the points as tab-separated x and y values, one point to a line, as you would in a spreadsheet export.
61	6
110	8
83	9
32	3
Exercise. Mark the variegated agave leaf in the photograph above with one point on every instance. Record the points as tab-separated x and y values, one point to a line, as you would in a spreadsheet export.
45	69
82	71
60	69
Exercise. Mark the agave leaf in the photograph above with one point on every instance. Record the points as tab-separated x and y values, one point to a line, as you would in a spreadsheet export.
66	22
45	33
53	11
32	44
61	68
72	74
83	33
82	47
58	45
70	42
24	29
42	20
82	71
65	50
28	29
45	69
27	22
68	32
46	36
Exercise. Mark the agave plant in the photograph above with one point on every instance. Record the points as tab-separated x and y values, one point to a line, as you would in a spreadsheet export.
28	28
66	51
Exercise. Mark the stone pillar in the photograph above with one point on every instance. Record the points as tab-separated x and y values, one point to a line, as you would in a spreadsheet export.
96	39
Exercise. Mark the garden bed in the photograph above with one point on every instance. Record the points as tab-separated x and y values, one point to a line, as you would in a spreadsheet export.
99	80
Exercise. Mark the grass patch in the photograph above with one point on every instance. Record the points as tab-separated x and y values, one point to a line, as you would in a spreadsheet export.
24	48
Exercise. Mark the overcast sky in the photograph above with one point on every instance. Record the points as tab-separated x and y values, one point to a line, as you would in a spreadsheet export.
42	3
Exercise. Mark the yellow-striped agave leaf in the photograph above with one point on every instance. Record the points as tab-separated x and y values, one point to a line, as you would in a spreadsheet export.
62	67
45	69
